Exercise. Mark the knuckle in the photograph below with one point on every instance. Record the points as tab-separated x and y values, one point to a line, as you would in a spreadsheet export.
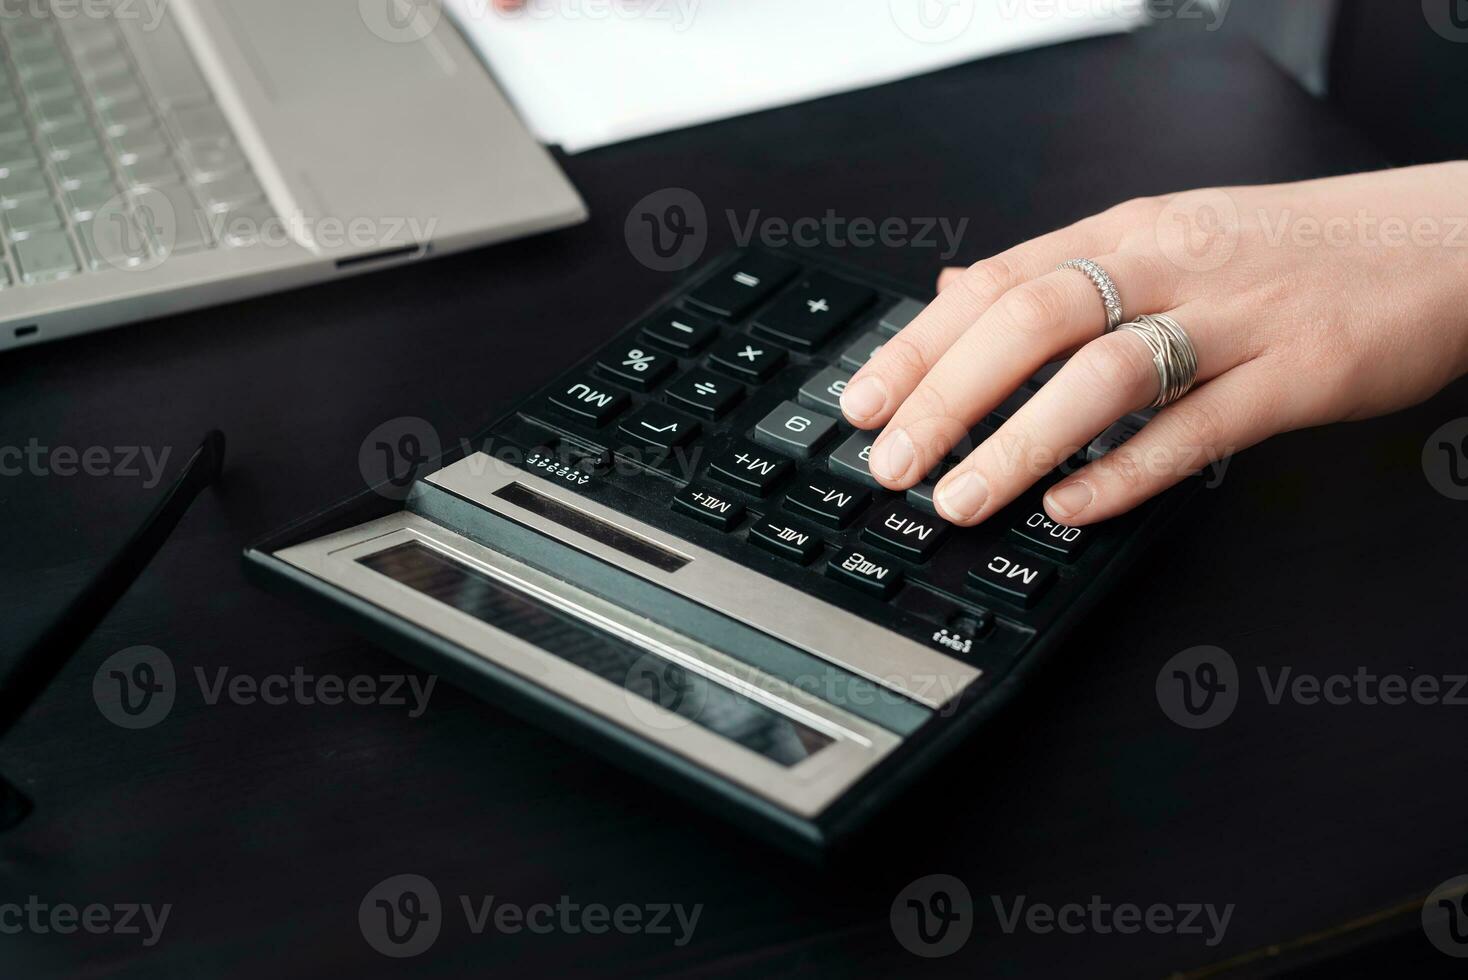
1134	210
1034	308
904	356
1125	469
986	281
1201	422
1115	366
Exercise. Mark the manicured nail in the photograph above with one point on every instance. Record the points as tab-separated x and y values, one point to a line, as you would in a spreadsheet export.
892	455
962	496
864	399
1069	500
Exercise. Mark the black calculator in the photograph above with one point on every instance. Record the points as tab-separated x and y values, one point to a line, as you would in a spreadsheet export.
676	555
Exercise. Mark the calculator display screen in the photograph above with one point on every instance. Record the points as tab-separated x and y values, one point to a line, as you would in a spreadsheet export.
646	675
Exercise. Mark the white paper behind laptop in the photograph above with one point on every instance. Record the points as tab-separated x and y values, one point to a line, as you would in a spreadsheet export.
585	73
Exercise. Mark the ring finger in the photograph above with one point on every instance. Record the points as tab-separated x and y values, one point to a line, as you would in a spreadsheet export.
1028	327
1106	379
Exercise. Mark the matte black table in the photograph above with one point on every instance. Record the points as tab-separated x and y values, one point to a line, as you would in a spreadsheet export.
264	826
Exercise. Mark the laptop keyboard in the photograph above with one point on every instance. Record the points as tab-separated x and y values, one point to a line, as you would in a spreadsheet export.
718	418
113	153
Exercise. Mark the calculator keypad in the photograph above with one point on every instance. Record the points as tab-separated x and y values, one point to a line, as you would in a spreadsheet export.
743	376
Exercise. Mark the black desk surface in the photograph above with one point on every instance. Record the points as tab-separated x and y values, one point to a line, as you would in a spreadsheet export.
265	826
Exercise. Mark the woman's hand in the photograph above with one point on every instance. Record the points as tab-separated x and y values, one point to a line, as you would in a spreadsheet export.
1306	303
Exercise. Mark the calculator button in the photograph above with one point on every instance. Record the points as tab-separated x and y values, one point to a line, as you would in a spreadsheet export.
743	284
794	430
705	393
1036	529
863	350
830	502
1012	575
786	539
637	366
900	315
591	400
658	427
907	532
921	496
750	468
825	390
679	331
748	357
810	314
852	459
710	505
869	572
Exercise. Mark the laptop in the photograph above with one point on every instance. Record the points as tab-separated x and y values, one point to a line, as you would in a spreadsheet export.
164	155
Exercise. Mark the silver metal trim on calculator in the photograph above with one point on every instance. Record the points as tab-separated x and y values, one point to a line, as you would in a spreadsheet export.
806	788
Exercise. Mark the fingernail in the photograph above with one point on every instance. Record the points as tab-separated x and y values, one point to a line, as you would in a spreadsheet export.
864	399
892	455
963	495
1069	500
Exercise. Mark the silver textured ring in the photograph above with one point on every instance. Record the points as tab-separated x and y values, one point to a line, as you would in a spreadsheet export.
1172	354
1104	283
